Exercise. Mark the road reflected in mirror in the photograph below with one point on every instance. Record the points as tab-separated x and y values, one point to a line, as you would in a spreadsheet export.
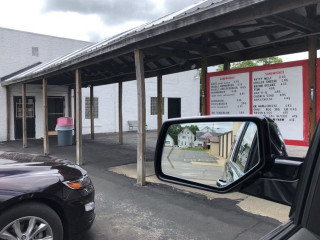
210	153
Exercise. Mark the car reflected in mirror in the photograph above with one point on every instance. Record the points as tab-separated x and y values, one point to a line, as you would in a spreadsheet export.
210	153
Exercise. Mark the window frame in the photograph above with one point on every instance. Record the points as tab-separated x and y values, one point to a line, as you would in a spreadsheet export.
87	114
154	106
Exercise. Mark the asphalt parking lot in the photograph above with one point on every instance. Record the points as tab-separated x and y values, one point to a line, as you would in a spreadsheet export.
193	165
156	211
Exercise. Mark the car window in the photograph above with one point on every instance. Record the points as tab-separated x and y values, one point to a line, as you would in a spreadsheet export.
236	140
246	144
278	146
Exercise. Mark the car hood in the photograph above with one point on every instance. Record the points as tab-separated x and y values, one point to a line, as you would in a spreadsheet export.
27	165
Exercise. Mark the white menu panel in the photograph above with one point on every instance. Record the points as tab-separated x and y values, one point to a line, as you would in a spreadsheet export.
229	94
278	94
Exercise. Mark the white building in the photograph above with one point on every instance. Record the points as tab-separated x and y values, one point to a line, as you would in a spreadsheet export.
203	136
169	141
22	49
19	50
176	91
186	138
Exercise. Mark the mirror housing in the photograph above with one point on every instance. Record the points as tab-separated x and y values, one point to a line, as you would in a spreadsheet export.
264	151
271	149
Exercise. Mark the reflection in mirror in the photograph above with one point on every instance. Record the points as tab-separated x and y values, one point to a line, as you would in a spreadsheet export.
210	153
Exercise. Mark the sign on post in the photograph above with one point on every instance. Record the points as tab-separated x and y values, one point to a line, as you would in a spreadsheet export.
229	94
278	94
279	91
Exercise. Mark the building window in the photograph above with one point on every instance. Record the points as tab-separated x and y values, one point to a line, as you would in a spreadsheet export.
35	51
95	107
29	110
154	106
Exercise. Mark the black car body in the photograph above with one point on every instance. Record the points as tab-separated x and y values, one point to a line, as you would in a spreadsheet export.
41	180
277	177
236	168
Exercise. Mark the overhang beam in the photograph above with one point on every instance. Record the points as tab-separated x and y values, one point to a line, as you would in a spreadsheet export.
225	16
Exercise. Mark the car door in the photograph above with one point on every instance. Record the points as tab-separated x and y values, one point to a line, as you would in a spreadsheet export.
245	148
269	178
305	211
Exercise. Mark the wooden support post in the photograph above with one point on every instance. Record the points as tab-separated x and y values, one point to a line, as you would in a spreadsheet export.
78	118
69	102
24	116
120	114
204	70
226	65
91	112
45	116
312	85
160	106
8	113
141	151
74	114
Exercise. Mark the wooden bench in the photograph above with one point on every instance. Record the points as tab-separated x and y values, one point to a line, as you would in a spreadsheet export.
134	124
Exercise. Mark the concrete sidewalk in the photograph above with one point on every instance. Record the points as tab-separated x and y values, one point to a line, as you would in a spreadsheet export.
247	203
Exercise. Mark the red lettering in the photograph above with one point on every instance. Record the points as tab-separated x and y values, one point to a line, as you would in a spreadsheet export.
226	78
274	73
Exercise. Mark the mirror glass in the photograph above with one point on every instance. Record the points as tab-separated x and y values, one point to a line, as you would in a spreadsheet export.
210	153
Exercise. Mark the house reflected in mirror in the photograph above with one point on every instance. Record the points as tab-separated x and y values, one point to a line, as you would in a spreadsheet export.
210	153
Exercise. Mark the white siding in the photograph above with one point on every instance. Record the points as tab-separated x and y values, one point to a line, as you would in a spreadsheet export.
16	49
184	85
16	54
3	117
32	91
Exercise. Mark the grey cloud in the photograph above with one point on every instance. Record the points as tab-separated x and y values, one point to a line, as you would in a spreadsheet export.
176	5
116	12
95	36
112	12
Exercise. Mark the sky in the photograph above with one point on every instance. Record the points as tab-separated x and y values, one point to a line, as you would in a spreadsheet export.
89	20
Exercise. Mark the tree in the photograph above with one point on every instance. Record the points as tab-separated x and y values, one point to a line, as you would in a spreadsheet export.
252	63
174	131
269	60
193	129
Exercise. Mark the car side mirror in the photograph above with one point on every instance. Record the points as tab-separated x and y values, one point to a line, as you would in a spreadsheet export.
218	154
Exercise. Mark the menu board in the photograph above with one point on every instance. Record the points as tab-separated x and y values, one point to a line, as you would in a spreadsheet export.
278	94
229	94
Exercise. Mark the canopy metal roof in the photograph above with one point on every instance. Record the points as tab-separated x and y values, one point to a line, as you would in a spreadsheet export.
223	30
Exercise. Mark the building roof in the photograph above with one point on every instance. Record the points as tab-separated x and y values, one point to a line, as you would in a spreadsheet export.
42	35
183	131
221	30
200	135
11	75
